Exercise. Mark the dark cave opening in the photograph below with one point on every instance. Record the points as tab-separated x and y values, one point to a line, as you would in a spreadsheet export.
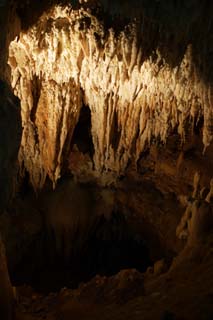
82	136
109	248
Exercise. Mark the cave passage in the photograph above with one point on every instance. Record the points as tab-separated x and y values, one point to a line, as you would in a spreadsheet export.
82	136
110	247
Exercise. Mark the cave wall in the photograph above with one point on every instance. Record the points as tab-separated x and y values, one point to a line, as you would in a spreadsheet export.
10	138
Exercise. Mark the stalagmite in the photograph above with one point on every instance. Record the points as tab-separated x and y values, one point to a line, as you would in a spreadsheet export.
209	196
196	185
182	231
198	217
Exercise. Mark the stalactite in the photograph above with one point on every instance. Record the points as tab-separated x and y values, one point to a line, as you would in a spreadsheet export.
69	51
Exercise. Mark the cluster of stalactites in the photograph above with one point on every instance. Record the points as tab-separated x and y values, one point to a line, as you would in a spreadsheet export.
131	100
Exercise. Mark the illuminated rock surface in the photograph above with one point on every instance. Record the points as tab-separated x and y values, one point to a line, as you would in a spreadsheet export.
68	58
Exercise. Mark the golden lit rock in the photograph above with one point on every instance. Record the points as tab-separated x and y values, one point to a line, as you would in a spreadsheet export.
132	99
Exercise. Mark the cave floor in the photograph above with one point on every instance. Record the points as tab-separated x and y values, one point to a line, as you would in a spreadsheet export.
183	292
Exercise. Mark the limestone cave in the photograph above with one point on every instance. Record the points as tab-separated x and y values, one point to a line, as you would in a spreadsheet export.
106	159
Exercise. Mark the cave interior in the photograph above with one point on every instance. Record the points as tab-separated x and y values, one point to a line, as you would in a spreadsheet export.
106	159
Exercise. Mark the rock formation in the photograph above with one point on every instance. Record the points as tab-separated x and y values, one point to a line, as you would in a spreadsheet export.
69	58
10	137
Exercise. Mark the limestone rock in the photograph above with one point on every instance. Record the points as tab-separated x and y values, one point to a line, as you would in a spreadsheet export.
68	57
160	267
